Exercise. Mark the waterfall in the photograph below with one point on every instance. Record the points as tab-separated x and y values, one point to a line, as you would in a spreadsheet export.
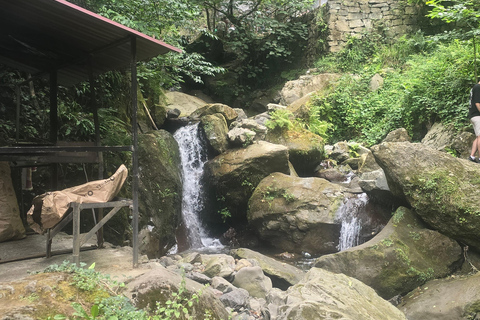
349	215
193	157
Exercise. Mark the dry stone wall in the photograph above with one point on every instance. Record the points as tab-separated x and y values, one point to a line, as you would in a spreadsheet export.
353	18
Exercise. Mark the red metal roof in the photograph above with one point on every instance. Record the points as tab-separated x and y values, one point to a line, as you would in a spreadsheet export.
40	35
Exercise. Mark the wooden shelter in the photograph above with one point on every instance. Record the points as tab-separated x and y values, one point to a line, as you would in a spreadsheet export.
62	42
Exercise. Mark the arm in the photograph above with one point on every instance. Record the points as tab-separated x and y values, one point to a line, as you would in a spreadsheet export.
477	104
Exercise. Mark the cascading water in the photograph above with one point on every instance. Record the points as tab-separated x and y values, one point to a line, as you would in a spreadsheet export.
351	223
193	157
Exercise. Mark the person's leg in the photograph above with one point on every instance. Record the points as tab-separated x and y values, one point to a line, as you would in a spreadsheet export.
474	147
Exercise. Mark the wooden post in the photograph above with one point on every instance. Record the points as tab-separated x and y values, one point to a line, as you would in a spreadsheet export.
76	233
133	66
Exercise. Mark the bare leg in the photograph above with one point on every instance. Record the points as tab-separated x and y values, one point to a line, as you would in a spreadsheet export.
474	147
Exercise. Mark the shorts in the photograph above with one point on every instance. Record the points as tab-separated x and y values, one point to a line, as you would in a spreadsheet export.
476	125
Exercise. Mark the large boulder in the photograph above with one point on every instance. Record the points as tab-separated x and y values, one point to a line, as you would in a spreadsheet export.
159	284
305	148
403	256
235	173
296	214
444	299
160	189
446	138
325	295
228	113
215	128
253	280
441	188
283	275
296	89
187	104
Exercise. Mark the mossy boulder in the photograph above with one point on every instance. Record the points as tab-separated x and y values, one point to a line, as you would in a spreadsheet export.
403	256
296	214
233	175
229	113
304	147
158	286
442	189
160	188
216	130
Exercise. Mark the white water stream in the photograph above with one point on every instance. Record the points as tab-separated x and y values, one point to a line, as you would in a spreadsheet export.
348	215
193	157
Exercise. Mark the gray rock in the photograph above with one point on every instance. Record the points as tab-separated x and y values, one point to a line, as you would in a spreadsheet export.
283	275
218	265
444	299
235	299
235	173
442	189
325	295
296	214
403	256
199	277
398	135
160	190
222	285
254	281
216	129
241	137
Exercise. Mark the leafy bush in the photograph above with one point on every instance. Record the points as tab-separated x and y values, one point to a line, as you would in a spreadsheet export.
424	86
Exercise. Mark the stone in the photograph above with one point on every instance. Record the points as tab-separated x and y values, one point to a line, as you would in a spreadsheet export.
235	299
216	129
441	188
159	283
296	214
325	295
222	285
305	149
160	190
444	299
253	280
296	89
218	265
398	135
376	82
283	275
235	173
183	102
228	113
403	256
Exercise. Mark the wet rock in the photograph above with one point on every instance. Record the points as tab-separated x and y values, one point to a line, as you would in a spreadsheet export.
401	257
296	214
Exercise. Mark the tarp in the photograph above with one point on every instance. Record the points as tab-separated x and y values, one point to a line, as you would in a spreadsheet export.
49	208
11	226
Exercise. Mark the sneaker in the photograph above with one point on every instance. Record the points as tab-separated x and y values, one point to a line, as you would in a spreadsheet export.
473	159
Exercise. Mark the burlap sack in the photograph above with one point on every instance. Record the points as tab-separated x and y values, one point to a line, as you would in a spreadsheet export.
49	208
11	226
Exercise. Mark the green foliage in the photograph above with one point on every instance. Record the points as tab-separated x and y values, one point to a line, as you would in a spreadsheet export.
281	119
424	87
118	307
225	214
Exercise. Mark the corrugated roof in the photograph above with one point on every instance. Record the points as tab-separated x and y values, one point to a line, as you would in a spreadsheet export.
41	35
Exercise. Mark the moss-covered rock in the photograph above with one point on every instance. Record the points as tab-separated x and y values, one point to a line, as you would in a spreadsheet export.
160	187
304	147
235	174
442	189
216	130
296	214
403	256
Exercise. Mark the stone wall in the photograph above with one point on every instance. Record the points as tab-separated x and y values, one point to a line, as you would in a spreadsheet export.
355	17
